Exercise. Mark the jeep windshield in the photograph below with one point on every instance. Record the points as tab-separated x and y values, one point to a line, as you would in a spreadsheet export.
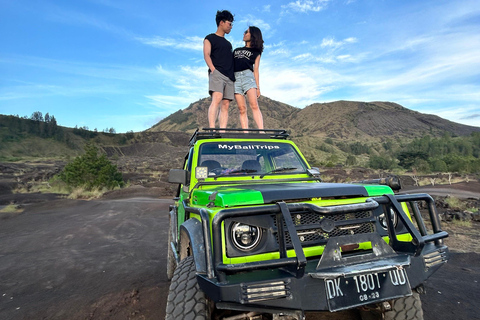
250	158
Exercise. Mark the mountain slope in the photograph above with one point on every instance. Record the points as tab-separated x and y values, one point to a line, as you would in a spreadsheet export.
341	120
357	120
274	113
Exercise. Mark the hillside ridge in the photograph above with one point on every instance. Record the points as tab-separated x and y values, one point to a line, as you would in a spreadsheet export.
342	119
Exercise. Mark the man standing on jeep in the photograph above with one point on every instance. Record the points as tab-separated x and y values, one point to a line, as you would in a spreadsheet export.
217	52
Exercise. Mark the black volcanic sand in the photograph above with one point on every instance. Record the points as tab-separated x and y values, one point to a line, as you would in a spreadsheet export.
105	259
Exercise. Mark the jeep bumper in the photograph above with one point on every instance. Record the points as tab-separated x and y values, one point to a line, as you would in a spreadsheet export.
277	290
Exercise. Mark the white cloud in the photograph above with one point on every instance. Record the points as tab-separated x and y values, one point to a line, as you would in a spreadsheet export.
304	56
297	85
182	84
330	42
305	6
187	43
168	103
252	21
345	57
462	113
279	49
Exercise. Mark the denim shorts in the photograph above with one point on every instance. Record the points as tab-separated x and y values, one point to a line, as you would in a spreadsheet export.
218	82
244	81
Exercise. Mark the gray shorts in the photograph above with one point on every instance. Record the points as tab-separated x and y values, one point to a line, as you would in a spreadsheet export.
218	82
244	81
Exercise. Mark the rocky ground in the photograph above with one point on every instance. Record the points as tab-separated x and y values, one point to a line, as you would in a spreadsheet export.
104	259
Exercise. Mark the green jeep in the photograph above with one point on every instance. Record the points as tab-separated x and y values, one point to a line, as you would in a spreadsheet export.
255	234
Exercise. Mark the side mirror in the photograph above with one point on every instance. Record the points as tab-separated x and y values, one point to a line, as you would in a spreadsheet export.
177	176
314	172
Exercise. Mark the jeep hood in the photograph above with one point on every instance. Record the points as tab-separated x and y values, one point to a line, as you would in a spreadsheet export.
255	194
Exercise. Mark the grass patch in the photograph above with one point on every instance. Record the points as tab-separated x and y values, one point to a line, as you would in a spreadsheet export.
10	159
456	204
462	223
472	210
12	208
54	185
83	193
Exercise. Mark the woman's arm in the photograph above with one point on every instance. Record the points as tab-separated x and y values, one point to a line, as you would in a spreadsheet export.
256	74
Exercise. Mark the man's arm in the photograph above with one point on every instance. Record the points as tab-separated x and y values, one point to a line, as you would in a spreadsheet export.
207	49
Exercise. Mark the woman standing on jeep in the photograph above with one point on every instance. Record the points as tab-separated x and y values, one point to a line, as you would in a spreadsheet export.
246	66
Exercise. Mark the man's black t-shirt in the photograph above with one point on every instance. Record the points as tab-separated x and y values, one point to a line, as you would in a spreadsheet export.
244	58
221	54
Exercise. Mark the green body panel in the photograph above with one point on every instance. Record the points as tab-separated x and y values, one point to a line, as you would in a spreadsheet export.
377	190
220	193
226	197
230	196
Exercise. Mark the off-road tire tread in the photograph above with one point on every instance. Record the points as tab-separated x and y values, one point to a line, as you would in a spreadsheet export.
407	308
185	299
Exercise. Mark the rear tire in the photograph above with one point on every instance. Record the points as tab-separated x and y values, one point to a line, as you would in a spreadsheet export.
185	299
407	308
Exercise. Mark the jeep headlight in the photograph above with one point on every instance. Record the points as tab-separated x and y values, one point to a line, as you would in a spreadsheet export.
245	237
383	219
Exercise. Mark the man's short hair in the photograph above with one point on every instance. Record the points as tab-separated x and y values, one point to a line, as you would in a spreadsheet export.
223	15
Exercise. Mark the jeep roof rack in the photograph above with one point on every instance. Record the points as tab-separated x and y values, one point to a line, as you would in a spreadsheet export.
236	133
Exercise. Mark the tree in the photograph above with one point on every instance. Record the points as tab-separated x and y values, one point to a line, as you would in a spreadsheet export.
438	165
92	171
351	160
381	162
421	166
407	158
37	116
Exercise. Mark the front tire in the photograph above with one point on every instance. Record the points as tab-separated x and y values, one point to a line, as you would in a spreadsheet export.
407	308
185	299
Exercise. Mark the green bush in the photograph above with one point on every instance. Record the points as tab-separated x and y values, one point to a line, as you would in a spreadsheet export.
438	165
381	162
92	171
178	117
351	160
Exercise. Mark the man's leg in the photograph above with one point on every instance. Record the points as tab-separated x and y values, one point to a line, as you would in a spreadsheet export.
223	116
213	109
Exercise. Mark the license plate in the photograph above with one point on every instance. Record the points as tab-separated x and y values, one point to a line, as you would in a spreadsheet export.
344	293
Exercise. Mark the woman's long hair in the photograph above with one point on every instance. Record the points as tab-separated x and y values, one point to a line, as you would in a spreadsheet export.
256	38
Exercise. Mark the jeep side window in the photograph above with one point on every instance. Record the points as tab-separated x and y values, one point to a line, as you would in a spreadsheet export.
189	165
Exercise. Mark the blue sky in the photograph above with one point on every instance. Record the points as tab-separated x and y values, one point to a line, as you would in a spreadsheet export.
128	64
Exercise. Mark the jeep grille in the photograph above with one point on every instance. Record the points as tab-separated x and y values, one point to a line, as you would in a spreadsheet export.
310	231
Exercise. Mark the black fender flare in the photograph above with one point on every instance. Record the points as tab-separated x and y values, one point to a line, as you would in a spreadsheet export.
192	229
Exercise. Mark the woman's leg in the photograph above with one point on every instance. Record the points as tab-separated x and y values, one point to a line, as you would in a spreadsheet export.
253	102
242	108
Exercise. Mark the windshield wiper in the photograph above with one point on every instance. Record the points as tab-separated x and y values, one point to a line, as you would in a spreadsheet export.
282	169
235	171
